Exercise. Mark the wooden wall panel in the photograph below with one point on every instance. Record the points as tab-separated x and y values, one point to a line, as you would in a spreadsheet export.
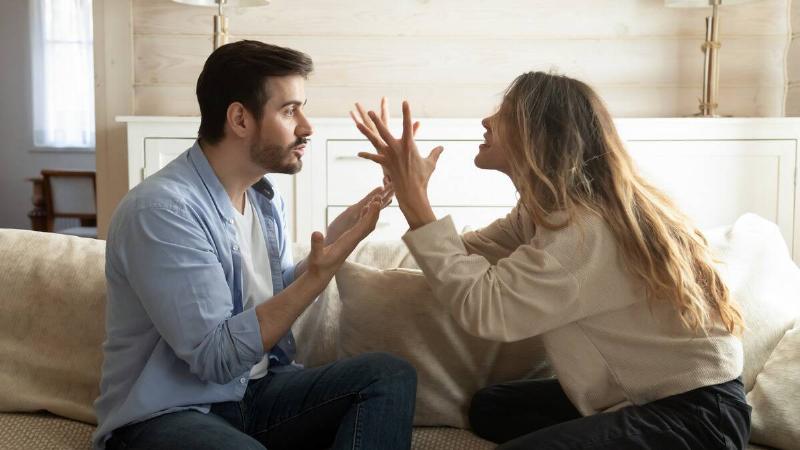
453	58
504	18
480	100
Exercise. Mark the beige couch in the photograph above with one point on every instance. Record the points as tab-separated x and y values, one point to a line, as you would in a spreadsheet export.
52	294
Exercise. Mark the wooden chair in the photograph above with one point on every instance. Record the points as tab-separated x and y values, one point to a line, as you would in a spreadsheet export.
71	194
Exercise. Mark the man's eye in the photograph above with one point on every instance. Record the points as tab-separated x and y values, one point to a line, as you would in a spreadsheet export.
290	112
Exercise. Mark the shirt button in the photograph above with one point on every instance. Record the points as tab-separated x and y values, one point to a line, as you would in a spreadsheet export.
243	380
236	248
230	221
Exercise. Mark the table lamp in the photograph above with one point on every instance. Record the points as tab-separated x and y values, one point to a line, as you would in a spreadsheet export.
220	21
708	104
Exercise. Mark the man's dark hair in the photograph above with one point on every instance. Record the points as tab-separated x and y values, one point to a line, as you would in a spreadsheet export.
237	72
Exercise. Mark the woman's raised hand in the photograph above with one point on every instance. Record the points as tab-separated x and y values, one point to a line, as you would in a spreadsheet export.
408	170
363	118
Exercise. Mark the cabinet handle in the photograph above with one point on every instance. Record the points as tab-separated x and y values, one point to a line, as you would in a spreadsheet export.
351	158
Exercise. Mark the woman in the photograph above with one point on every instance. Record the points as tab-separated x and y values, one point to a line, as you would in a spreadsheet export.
638	327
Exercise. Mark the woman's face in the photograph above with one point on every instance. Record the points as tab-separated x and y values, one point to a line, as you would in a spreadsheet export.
491	153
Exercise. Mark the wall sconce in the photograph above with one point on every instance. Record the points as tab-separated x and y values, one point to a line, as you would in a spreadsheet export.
220	21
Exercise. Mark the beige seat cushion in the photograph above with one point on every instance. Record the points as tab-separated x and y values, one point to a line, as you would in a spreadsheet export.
48	432
43	432
52	322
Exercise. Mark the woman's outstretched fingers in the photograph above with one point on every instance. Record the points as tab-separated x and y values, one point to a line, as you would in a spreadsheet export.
435	154
382	130
376	141
380	159
408	127
384	110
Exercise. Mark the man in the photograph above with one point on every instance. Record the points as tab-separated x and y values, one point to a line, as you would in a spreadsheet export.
202	291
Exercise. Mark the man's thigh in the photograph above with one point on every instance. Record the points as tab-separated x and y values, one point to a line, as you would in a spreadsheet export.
182	430
305	407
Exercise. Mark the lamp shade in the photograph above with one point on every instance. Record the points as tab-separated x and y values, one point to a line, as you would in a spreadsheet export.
701	3
228	3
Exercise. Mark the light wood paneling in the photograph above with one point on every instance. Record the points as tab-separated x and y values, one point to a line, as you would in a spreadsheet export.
478	100
452	58
506	18
419	60
793	101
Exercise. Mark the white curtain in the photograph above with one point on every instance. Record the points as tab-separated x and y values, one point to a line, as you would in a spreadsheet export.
63	73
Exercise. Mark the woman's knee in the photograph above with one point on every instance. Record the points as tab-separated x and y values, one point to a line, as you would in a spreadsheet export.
483	412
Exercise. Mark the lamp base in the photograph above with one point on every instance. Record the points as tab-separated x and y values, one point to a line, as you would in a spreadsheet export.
220	31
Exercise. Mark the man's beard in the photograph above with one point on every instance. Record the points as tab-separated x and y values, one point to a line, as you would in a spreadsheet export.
272	157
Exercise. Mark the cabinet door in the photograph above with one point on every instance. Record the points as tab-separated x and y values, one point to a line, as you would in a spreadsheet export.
738	176
392	225
456	181
158	152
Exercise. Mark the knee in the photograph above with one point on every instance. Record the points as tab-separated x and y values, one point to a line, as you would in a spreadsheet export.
483	413
387	368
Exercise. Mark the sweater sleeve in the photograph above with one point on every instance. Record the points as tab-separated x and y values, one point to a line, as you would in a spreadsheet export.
523	295
497	240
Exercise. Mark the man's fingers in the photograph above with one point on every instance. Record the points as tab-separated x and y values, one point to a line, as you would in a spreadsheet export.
317	243
416	127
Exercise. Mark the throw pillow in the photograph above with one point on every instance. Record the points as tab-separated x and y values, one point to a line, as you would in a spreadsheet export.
395	311
52	322
775	398
764	281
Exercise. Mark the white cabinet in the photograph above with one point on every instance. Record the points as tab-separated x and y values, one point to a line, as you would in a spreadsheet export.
714	169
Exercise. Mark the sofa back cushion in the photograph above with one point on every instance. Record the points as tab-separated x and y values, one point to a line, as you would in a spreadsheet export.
52	322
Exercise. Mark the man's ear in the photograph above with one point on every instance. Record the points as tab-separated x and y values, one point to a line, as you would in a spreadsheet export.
238	119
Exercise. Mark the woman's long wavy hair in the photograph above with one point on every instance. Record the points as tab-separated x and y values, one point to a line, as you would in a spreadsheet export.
565	154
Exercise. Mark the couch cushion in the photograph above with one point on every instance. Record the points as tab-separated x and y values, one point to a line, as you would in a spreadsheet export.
444	438
775	398
52	322
765	282
395	311
43	432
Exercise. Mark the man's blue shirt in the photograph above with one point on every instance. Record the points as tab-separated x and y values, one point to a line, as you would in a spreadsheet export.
176	338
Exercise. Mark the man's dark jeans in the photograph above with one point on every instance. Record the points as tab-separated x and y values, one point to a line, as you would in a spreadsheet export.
365	402
536	414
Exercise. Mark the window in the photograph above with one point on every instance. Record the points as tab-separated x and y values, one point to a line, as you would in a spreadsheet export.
63	73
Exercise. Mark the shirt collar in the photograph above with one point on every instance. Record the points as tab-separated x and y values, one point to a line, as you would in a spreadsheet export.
214	186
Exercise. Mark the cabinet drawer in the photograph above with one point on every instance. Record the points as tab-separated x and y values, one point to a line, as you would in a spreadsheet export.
392	225
456	181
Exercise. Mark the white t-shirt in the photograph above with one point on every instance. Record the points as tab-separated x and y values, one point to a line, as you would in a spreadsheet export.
256	271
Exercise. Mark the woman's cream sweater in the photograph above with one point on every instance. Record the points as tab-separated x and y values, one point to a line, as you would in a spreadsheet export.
608	345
